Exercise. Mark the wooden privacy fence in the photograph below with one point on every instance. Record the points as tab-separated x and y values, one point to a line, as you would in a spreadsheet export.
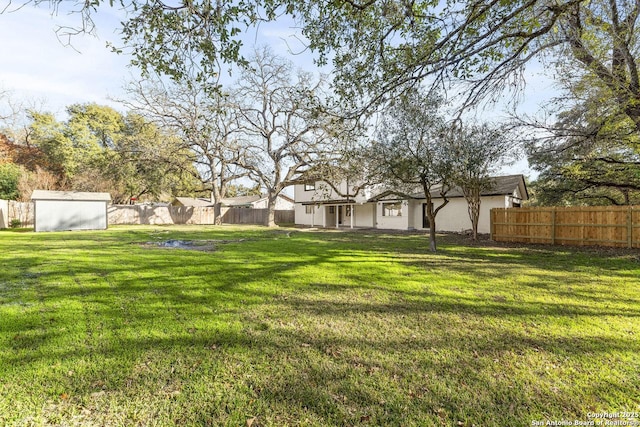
256	216
157	215
617	226
22	211
143	214
11	210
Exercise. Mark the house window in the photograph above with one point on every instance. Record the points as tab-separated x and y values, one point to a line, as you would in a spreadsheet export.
310	186
332	209
347	211
392	209
308	209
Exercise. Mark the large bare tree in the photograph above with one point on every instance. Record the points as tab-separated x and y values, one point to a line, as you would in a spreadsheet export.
284	127
207	124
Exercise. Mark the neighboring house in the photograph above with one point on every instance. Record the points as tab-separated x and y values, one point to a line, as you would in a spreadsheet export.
317	204
190	202
70	210
256	202
283	203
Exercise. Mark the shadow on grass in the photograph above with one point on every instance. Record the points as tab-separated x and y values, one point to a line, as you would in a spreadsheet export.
256	330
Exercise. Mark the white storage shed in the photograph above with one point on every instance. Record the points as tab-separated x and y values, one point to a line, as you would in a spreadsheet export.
70	210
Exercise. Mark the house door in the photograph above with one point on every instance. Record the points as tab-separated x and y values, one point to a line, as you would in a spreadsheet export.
340	214
425	218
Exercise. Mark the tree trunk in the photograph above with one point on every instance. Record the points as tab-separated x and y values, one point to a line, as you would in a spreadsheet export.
432	235
474	215
216	199
270	220
217	213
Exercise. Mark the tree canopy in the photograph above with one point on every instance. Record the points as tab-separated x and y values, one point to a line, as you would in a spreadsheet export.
411	153
97	149
378	46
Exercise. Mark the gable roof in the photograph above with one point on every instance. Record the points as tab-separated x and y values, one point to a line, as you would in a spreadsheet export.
250	200
191	202
70	195
240	200
285	197
500	186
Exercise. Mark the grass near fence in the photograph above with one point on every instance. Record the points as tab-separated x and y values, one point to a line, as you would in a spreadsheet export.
285	327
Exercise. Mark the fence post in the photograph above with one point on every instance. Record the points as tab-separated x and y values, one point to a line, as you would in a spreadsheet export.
582	222
630	228
491	229
553	226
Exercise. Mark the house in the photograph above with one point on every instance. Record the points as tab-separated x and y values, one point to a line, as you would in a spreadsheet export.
69	210
283	202
318	204
191	202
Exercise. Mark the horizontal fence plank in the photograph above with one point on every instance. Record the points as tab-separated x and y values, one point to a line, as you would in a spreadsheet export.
615	226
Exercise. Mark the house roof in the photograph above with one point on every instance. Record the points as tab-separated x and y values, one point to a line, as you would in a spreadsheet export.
331	202
70	195
192	202
500	186
249	200
287	198
240	200
394	195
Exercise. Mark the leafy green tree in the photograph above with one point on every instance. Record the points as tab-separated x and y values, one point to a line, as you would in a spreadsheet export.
9	180
590	153
411	152
100	149
478	151
51	137
378	46
137	166
99	124
238	190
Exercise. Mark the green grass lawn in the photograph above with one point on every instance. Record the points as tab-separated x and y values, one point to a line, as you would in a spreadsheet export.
283	327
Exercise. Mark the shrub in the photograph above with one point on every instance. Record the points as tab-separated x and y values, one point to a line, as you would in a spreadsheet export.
15	223
9	177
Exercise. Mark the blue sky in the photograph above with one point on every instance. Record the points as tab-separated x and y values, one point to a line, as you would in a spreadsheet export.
37	67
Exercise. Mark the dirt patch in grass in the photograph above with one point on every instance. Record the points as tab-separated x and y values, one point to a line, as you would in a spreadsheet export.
193	245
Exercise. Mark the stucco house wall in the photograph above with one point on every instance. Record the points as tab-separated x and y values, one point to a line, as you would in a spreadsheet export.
393	222
455	216
282	204
365	215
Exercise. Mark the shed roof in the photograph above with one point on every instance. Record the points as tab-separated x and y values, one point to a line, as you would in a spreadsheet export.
70	195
